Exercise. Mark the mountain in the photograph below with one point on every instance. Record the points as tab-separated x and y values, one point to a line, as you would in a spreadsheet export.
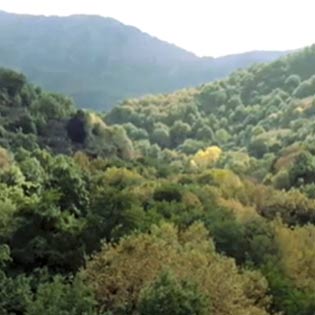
100	61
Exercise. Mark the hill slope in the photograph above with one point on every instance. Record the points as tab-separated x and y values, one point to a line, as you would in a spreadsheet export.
100	61
260	111
213	197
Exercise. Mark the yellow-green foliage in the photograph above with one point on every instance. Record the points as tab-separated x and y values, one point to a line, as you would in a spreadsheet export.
191	200
242	212
297	248
237	161
119	272
95	120
206	158
281	180
121	177
108	140
5	158
227	181
292	206
288	157
206	217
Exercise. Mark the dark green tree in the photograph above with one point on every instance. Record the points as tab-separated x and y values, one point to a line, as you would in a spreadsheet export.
167	295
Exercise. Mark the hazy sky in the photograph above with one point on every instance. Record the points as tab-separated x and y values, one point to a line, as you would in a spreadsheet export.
205	27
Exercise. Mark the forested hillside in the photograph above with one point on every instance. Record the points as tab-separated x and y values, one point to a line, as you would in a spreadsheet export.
195	203
100	61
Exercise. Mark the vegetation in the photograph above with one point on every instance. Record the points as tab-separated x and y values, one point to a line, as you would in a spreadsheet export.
199	202
100	61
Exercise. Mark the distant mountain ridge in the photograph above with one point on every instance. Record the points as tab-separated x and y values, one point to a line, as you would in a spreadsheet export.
100	61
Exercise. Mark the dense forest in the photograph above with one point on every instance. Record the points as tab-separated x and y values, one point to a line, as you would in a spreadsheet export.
193	203
100	61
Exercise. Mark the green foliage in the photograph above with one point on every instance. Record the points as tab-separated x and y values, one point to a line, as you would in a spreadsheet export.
168	193
68	179
222	136
47	236
60	297
11	81
179	132
15	293
286	297
214	185
281	180
303	170
190	146
161	136
211	98
4	255
52	106
305	89
228	233
292	82
114	214
167	295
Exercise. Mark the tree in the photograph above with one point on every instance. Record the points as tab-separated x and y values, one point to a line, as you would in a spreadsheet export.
120	178
46	236
258	146
179	132
207	157
190	146
67	178
15	293
167	295
222	136
122	142
305	89
60	297
76	127
292	82
114	214
119	273
5	159
303	170
134	132
161	136
169	192
297	258
52	106
211	98
205	133
12	81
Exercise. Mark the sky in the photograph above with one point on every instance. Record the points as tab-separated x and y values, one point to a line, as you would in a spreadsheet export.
205	27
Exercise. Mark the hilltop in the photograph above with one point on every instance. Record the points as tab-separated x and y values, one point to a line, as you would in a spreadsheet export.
100	61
